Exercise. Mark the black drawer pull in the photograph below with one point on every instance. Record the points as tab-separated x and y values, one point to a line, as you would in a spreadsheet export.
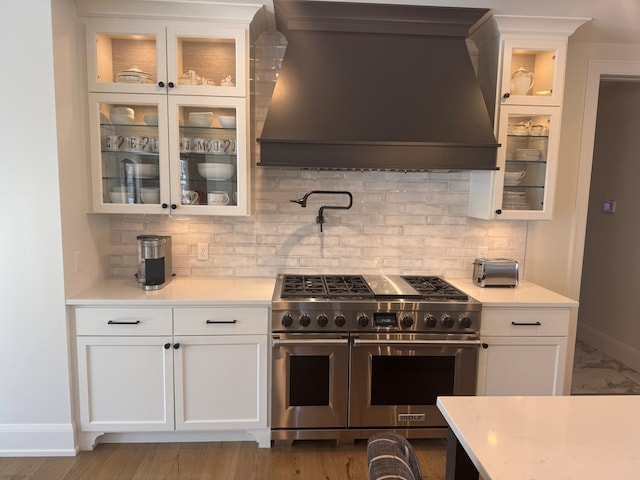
221	321
118	322
531	324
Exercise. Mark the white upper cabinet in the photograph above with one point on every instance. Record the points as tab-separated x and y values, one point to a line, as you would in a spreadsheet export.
149	57
522	70
169	107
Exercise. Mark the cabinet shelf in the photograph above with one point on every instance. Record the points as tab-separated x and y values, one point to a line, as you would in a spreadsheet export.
129	125
131	152
529	162
535	137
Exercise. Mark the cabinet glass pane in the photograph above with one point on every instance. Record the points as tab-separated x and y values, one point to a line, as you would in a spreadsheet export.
126	58
526	162
129	153
532	72
206	61
208	156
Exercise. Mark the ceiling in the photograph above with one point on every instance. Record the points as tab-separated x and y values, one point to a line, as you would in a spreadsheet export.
613	21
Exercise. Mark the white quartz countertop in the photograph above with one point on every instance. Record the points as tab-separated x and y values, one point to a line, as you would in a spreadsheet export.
526	294
548	438
181	291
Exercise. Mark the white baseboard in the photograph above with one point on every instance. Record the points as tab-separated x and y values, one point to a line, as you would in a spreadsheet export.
261	436
626	354
37	440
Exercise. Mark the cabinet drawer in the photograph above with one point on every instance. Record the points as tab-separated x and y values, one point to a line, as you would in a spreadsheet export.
221	321
123	321
521	322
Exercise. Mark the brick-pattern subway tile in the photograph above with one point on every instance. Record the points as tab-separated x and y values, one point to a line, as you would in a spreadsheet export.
400	223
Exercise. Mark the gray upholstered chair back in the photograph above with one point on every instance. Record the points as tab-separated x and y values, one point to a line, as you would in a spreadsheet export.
391	457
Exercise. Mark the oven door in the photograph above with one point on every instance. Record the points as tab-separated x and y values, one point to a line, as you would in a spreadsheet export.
396	378
310	381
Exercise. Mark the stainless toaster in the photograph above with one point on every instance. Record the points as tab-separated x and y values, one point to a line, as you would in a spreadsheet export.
495	272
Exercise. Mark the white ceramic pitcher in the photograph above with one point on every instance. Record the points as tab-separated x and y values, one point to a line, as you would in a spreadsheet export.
521	81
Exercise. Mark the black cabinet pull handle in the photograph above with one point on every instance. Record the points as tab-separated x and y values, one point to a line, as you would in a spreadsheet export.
167	346
506	95
498	211
176	346
161	84
173	206
118	322
221	321
171	84
164	205
531	324
485	345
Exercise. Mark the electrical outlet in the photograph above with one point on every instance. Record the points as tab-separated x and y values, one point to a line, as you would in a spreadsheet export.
483	252
203	251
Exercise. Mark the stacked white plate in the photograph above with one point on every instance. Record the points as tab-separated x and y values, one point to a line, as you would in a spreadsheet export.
133	75
512	183
515	201
528	154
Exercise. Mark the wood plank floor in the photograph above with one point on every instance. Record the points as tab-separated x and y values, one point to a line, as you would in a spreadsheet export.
306	460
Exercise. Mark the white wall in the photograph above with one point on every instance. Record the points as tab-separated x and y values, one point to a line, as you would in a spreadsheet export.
35	411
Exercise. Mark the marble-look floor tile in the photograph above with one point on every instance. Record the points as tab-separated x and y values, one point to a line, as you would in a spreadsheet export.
596	373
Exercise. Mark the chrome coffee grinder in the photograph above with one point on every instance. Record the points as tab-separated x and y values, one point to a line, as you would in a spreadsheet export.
154	261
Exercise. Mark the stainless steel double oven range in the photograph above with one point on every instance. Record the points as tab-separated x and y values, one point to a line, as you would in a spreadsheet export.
355	354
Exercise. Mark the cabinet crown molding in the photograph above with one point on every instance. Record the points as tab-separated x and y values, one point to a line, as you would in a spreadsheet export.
538	26
183	10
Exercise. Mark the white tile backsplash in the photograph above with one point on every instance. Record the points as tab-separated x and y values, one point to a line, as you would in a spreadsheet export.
400	223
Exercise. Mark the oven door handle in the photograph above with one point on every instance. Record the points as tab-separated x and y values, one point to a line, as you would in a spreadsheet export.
312	341
448	343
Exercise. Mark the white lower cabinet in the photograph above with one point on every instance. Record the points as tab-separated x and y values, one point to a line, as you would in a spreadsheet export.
164	369
523	351
221	368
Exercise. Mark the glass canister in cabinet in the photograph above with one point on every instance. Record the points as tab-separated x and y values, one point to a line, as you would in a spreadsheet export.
525	172
208	155
129	153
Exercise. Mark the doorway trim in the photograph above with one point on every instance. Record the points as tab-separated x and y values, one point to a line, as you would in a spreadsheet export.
597	70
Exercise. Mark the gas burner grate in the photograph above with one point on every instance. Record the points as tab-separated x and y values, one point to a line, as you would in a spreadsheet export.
347	286
320	286
435	288
304	286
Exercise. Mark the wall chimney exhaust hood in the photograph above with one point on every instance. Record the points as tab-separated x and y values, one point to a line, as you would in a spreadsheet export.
377	87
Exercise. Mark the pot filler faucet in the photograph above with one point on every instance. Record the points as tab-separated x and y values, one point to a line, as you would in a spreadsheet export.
320	218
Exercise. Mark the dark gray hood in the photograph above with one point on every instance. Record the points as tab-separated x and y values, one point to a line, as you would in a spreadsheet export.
377	87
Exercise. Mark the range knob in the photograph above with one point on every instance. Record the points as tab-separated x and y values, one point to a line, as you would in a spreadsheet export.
407	321
447	321
323	320
363	320
287	320
340	320
305	320
464	320
430	321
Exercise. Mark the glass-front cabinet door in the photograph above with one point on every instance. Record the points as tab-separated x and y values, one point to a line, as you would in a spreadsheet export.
159	154
126	57
206	60
208	154
530	74
149	57
128	143
528	161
